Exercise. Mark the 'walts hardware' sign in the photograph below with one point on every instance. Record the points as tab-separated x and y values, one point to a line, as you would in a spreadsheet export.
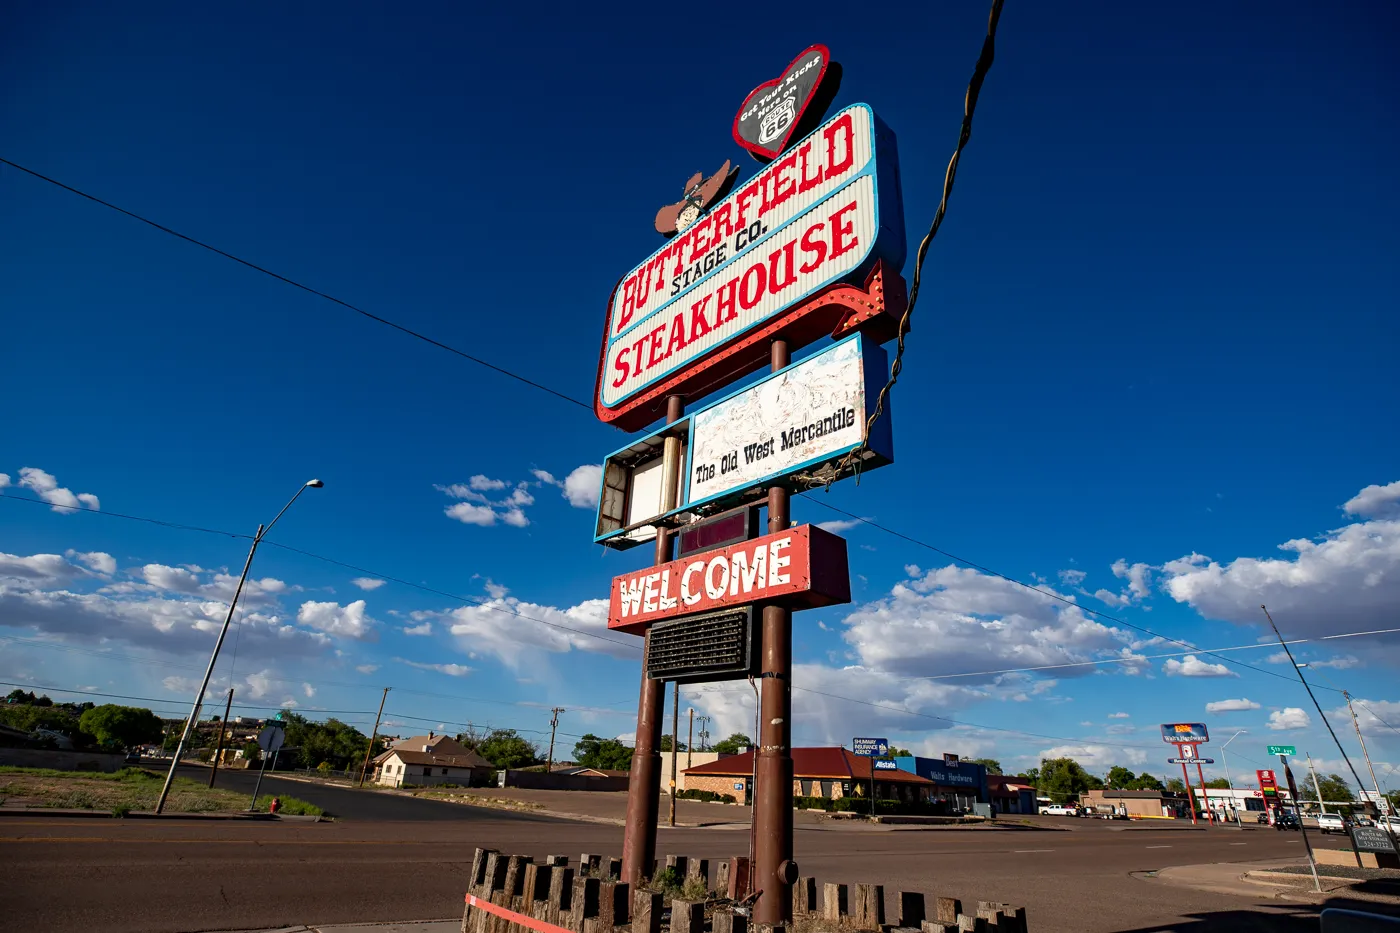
804	567
823	213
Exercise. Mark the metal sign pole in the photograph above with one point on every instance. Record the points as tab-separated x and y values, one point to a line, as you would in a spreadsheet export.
774	868
644	785
1186	783
1298	814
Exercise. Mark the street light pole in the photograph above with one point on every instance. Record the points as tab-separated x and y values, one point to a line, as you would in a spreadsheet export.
219	643
1229	783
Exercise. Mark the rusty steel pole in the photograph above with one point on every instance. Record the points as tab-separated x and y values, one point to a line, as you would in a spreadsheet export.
774	870
675	743
644	783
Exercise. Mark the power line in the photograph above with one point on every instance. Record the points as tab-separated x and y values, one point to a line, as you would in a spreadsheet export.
134	518
295	284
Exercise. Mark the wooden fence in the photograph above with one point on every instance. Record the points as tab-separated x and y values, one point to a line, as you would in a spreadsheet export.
514	894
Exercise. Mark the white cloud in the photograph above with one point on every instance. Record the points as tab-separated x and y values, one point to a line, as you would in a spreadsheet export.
951	620
39	568
1072	577
469	514
1340	664
1111	598
582	485
495	590
452	670
1374	716
367	668
1278	657
1137	576
367	583
836	526
1119	716
485	484
309	690
100	561
515	518
45	485
349	621
1192	666
544	476
1097	757
1342	580
1231	706
259	683
1373	502
1291	717
4	480
425	629
496	627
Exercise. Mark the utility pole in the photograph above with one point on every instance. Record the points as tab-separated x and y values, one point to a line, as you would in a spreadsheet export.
690	739
219	747
1234	804
553	727
1367	755
364	769
1317	787
704	733
675	742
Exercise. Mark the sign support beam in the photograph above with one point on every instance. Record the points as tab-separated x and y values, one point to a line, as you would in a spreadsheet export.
644	786
774	869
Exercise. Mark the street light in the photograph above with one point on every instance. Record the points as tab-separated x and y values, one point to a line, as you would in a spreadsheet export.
1228	783
219	643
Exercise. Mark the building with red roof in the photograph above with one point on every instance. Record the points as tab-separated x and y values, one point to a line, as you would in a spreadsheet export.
817	772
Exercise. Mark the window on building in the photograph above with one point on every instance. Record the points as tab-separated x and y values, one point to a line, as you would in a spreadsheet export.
444	772
806	788
826	788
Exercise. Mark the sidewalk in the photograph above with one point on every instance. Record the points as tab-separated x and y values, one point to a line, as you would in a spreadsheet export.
402	926
1263	879
259	815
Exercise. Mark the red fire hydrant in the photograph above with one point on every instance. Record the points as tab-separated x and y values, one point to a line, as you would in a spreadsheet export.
275	805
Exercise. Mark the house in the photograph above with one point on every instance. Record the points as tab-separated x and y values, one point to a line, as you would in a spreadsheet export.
684	761
425	760
817	772
1011	794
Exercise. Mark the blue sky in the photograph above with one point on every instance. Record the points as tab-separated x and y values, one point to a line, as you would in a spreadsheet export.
1158	322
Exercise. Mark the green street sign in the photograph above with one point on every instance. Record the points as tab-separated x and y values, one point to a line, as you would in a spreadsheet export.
1282	750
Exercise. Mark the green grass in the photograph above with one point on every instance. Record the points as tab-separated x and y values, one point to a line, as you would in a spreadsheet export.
291	806
129	789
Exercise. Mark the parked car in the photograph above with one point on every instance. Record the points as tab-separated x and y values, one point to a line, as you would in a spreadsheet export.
1331	823
1058	810
1263	817
1287	819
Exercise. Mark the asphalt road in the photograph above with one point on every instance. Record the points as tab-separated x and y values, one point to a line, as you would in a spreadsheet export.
147	875
358	805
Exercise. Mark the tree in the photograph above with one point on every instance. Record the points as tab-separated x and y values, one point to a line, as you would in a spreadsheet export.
1063	778
121	726
504	748
252	751
1176	785
605	754
1145	781
991	764
666	744
901	753
340	744
1335	789
1120	777
1218	784
733	745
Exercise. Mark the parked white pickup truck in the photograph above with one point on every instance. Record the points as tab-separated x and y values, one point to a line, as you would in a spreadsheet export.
1331	823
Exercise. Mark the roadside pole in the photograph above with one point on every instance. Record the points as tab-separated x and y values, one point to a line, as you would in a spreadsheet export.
1298	814
774	869
553	728
1224	756
1186	782
1317	787
644	783
1367	755
675	741
690	739
219	747
1205	797
364	769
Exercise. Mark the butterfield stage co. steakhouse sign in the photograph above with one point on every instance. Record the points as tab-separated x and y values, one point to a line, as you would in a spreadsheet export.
822	213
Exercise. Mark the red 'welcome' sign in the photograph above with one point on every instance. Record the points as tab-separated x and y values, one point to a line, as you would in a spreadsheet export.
804	567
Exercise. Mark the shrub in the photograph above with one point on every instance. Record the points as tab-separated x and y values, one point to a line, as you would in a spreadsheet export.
695	889
705	796
292	806
667	881
120	811
847	804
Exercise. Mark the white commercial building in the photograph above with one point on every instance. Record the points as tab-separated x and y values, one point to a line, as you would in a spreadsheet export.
1241	799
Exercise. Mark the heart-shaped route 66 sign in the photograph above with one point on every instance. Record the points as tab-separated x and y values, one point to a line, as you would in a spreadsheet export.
788	106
